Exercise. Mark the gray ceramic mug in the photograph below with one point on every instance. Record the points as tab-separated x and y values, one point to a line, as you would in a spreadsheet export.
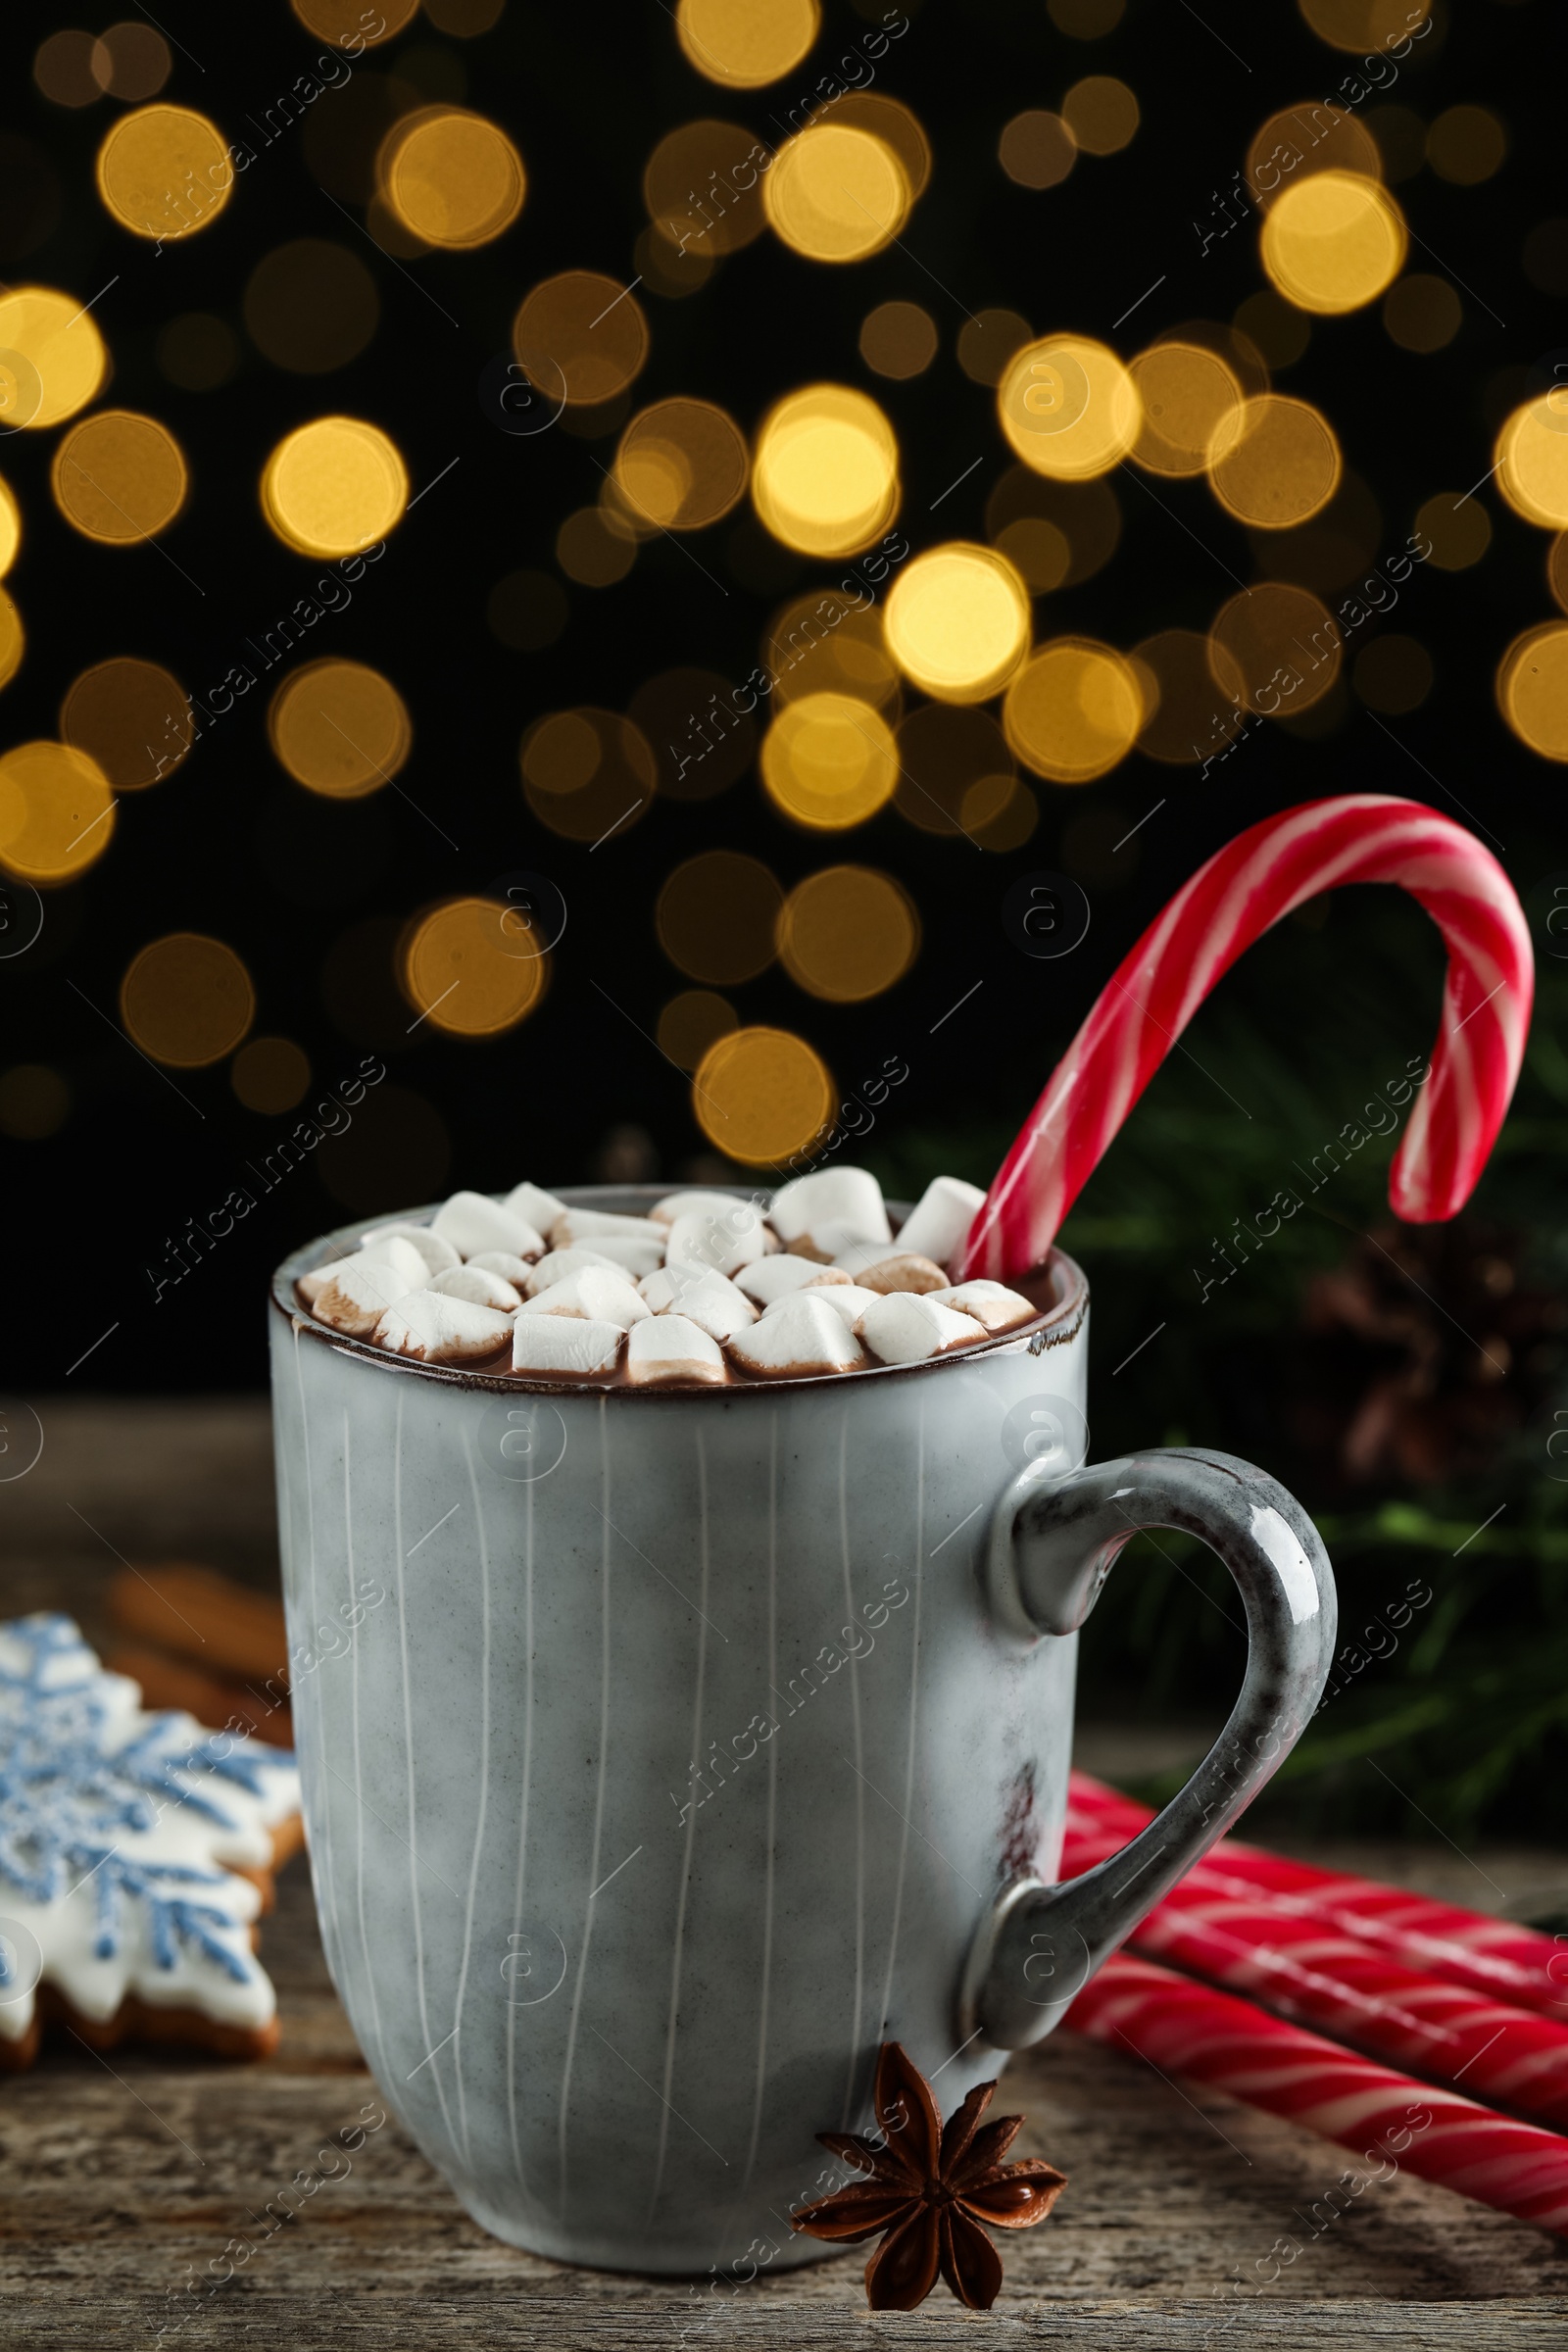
664	1754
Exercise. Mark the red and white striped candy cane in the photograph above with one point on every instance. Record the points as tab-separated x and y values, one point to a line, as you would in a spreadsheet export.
1187	2029
1242	890
1496	1957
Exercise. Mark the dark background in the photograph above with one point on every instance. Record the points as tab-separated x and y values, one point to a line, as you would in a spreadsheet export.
312	894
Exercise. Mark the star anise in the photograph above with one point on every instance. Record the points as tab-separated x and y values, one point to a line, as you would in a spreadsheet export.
930	2187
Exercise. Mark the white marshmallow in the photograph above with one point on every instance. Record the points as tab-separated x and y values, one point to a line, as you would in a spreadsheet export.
479	1286
903	1271
939	1223
776	1277
849	1197
536	1207
435	1250
361	1288
798	1335
989	1303
505	1262
712	1303
724	1243
671	1348
437	1329
690	1205
847	1299
595	1294
566	1345
634	1257
556	1264
903	1327
472	1223
588	1224
855	1257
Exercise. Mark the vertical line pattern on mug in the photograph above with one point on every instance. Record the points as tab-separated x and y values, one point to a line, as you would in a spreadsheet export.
523	1830
860	1783
592	1881
359	1768
407	1739
677	1953
772	1797
485	1788
915	1671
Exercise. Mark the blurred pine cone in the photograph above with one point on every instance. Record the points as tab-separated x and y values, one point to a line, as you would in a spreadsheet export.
1424	1351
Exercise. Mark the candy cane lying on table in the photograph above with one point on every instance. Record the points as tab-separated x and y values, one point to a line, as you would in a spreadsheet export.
1242	891
1187	2029
1496	1957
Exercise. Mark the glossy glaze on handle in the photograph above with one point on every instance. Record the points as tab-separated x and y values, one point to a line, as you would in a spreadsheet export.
1051	1547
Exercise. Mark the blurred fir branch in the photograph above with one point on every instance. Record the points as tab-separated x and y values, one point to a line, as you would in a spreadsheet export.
1465	1721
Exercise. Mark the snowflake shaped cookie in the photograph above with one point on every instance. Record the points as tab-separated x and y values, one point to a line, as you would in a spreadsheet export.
134	1851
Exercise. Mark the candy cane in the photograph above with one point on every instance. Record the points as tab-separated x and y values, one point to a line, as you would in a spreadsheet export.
1489	1956
1242	891
1187	2029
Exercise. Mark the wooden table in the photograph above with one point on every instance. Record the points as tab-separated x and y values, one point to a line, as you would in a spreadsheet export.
121	2181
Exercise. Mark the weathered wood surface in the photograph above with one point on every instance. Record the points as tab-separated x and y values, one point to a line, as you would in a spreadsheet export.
124	2183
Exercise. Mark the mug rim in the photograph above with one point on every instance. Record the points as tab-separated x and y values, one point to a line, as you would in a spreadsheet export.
1054	1328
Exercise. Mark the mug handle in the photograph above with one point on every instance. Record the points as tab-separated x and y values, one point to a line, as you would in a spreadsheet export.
1051	1547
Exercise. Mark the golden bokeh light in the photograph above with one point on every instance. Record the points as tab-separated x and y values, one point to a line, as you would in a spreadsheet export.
1068	407
341	21
1293	145
829	761
899	339
1036	149
119	478
703	739
187	1000
52	358
1073	710
13	639
269	1074
759	1095
131	718
1459	528
956	621
335	486
1558	569
825	470
999	813
1533	689
718	917
1466	145
953	767
164	172
692	1022
1532	459
988	343
745	43
450	177
581	337
1393	675
680	465
1053	533
835	193
1274	461
340	728
57	811
1101	114
62	68
847	933
1365	25
1421	312
10	528
131	61
1187	392
587	774
824	643
1333	242
1276	649
463	970
671	272
1188	718
890	122
311	306
596	546
703	190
